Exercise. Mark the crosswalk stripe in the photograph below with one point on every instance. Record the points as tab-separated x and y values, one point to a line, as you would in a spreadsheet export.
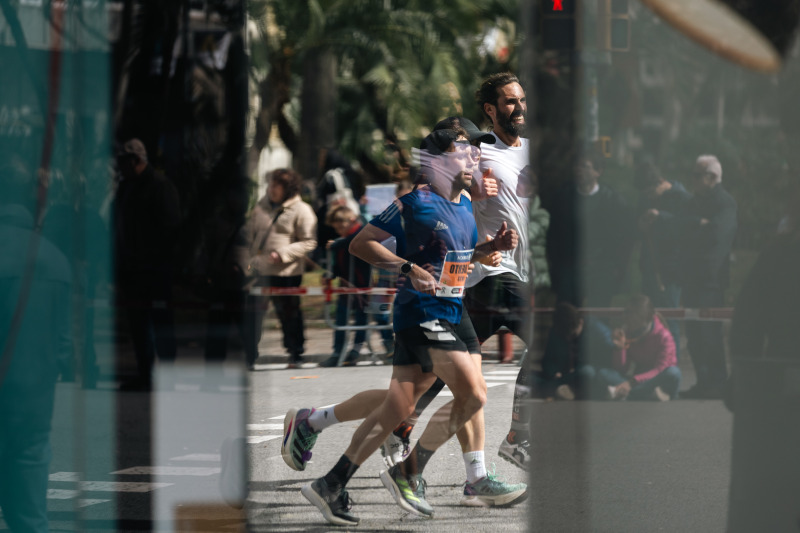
65	476
105	486
87	503
196	387
258	439
281	417
502	372
120	486
265	427
209	457
446	393
170	470
66	494
62	494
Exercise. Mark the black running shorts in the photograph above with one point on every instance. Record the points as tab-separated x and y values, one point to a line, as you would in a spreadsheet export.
412	344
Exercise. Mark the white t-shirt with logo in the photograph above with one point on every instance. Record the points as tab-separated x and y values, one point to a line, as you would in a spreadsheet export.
507	163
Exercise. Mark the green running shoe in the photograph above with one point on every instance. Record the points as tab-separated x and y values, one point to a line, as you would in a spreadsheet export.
407	491
489	492
298	438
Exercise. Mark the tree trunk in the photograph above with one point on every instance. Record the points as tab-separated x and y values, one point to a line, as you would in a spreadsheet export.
318	112
274	92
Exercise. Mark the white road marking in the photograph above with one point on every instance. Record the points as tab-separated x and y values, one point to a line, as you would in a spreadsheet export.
104	486
170	470
258	439
502	372
281	417
209	457
121	486
65	476
62	494
66	494
265	427
87	503
446	393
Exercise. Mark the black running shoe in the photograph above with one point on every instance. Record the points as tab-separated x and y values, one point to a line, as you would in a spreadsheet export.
334	505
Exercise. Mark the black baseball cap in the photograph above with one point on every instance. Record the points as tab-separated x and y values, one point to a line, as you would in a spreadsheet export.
473	132
438	141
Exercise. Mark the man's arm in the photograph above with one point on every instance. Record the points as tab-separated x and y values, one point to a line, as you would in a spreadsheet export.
484	185
505	239
367	246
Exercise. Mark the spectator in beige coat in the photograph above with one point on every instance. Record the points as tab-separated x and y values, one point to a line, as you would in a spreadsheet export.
282	230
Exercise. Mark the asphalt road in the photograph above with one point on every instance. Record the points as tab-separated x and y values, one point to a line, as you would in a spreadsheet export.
146	462
598	466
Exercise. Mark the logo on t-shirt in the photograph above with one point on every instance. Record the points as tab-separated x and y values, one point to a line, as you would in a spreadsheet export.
440	226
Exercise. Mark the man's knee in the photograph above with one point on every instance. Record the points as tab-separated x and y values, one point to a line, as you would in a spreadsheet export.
473	400
672	374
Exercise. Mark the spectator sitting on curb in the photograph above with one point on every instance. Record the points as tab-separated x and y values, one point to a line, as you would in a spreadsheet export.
574	344
644	363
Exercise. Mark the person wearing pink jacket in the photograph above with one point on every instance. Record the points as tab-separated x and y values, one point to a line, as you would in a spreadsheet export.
644	365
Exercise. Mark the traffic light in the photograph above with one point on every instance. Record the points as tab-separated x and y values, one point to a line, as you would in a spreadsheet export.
559	29
615	25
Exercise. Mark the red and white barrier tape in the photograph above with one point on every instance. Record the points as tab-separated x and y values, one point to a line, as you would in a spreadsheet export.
710	313
706	313
319	291
680	313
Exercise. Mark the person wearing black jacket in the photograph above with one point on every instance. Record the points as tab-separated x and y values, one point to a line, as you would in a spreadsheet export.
709	228
146	219
662	203
590	237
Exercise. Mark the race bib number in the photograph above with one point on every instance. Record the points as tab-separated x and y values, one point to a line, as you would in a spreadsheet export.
454	274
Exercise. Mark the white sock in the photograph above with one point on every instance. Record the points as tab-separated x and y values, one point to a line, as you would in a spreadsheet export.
476	468
322	418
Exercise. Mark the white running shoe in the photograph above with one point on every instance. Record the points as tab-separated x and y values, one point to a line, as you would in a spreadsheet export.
564	392
517	454
660	395
395	449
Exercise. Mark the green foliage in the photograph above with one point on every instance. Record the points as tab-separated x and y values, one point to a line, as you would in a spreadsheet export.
402	64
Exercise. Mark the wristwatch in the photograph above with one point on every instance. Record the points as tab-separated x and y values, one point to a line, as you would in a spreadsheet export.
406	267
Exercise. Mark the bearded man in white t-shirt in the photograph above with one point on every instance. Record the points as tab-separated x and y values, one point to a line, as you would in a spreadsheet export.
499	296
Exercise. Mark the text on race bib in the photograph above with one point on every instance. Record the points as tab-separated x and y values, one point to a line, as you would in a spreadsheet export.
454	273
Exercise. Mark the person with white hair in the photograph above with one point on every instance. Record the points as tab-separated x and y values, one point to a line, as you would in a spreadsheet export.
709	230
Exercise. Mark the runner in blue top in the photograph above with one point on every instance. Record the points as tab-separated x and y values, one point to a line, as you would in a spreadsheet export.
436	242
439	234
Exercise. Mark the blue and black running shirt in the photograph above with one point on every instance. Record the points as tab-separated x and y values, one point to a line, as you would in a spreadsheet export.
431	230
